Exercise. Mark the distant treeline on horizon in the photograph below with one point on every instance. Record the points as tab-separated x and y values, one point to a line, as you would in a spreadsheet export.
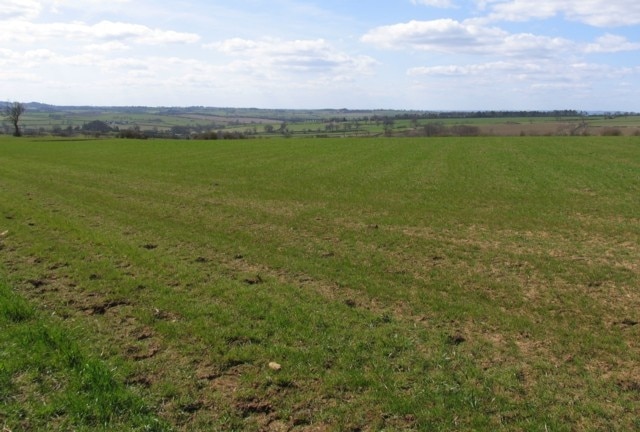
298	114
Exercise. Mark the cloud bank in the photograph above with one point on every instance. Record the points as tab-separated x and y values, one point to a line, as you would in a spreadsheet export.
425	54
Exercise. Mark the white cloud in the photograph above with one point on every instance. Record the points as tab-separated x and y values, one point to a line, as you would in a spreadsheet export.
472	37
57	6
108	30
30	9
611	44
450	36
309	47
515	69
436	35
273	57
435	3
269	71
19	9
548	73
598	13
107	47
534	84
23	31
39	55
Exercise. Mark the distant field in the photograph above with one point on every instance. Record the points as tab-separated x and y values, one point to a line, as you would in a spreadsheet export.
255	123
322	284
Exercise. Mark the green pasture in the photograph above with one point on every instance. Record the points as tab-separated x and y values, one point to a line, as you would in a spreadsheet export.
622	121
322	284
47	121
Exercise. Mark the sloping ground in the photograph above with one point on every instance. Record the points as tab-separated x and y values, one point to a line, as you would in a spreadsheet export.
341	285
560	128
246	121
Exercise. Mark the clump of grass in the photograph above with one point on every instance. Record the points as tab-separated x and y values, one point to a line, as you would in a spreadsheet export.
14	309
47	381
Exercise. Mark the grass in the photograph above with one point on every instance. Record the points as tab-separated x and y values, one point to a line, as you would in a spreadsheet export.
416	284
47	381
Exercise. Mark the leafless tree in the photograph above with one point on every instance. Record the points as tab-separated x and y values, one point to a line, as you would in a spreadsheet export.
12	112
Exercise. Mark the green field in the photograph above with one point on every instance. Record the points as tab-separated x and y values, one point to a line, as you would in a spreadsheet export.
399	284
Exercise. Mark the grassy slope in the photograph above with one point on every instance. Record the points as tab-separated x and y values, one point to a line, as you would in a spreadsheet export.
429	284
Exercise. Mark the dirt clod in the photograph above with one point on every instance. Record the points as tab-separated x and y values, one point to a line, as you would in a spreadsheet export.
627	322
192	407
137	354
164	315
456	339
253	280
102	308
143	334
629	385
253	406
141	381
37	283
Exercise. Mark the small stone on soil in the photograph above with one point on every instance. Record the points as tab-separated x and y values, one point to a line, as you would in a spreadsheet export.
275	366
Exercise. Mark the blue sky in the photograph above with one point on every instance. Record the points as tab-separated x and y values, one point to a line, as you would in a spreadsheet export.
403	54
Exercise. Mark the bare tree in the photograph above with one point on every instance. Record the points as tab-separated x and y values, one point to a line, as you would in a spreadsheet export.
13	111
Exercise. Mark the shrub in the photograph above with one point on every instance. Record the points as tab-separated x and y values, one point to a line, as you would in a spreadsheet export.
96	126
132	133
611	132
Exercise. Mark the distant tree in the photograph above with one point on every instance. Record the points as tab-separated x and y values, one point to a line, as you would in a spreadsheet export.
12	112
268	128
434	129
182	131
388	125
132	133
96	127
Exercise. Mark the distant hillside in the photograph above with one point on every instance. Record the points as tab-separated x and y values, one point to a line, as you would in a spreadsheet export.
226	122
